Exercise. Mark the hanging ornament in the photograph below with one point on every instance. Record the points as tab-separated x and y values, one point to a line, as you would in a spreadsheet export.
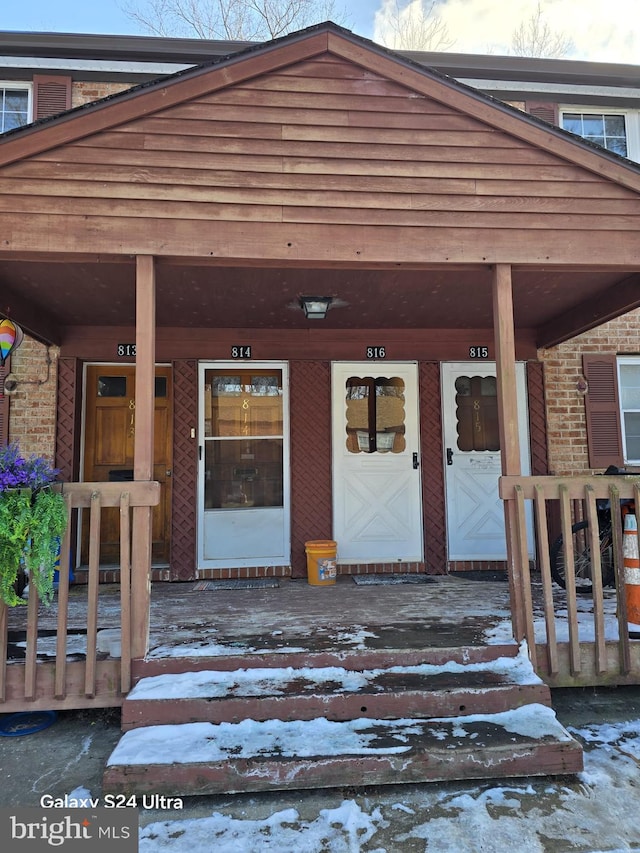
11	337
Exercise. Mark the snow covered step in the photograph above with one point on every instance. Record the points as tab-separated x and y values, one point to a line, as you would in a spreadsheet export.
206	758
422	690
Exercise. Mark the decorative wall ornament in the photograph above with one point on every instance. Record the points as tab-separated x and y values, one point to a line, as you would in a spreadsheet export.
11	336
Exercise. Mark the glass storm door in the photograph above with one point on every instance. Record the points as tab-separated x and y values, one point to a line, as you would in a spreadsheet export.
244	460
376	474
475	513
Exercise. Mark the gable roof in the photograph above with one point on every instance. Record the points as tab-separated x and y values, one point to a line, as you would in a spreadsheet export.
318	151
241	64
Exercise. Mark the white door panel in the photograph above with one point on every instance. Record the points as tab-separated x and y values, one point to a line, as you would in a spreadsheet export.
376	490
475	513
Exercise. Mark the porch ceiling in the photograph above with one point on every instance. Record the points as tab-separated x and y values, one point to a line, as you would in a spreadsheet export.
555	303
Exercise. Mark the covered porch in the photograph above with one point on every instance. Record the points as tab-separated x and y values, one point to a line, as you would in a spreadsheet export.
184	220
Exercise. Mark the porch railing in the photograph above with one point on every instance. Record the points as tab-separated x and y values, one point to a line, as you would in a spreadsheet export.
66	679
572	639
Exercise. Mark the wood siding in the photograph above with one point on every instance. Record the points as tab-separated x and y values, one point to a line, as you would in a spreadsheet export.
305	151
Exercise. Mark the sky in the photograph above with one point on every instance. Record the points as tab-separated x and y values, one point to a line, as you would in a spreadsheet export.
601	31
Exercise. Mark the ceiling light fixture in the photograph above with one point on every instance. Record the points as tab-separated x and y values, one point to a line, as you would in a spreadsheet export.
315	307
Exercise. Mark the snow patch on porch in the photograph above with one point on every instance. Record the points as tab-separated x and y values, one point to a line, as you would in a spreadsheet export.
501	632
274	681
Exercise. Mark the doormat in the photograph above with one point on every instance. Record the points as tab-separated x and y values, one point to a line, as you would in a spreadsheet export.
245	583
389	580
481	575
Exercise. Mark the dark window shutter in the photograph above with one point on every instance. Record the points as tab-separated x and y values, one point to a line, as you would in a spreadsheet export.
51	95
602	406
4	406
545	110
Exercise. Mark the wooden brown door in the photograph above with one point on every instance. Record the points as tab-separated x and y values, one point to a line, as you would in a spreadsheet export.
110	425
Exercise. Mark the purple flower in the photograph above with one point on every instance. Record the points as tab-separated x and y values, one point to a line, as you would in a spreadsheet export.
18	472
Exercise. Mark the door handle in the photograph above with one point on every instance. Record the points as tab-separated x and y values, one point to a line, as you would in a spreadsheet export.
168	472
415	461
449	456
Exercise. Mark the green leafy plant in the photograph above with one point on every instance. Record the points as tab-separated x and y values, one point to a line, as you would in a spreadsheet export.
33	518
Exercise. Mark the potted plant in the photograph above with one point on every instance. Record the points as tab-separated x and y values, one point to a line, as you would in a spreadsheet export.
33	518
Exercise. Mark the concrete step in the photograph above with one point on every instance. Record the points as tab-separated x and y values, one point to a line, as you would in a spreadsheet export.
206	758
253	656
335	693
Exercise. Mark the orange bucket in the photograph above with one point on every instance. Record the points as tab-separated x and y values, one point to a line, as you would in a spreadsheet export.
321	562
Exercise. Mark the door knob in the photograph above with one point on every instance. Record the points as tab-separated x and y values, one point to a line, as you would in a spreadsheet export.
449	456
168	472
415	460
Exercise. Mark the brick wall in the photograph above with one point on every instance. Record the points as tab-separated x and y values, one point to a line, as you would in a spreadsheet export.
566	423
84	93
32	419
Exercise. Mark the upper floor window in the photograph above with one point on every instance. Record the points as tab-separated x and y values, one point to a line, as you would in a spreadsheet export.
14	106
606	129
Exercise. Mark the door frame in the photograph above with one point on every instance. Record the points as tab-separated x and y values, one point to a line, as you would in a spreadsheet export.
380	368
226	364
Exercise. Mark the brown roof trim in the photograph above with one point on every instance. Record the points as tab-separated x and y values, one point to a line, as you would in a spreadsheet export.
192	50
121	48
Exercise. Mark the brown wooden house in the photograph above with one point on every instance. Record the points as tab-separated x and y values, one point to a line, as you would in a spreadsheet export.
165	239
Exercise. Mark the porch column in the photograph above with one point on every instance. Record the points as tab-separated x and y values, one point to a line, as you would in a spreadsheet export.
504	339
143	451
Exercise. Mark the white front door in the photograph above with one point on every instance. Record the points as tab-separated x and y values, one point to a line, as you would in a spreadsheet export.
243	494
475	513
376	474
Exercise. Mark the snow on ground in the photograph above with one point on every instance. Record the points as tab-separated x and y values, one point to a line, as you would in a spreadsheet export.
596	811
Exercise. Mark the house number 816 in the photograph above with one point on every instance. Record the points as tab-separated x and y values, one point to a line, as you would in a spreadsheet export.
376	352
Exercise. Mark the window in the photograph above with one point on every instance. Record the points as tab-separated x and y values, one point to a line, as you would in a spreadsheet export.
244	439
375	414
15	106
606	129
477	413
629	391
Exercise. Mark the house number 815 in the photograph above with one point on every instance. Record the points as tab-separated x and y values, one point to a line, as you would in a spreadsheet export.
478	352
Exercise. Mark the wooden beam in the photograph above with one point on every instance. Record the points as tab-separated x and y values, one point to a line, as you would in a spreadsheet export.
504	334
319	244
618	300
143	451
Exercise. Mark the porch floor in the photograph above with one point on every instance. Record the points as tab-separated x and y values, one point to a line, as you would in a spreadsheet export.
295	617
